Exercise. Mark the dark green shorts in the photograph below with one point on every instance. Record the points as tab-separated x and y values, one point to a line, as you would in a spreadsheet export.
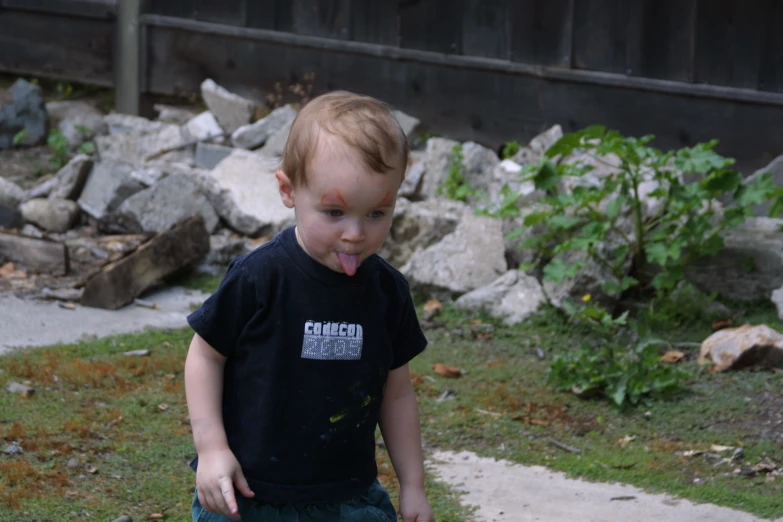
373	505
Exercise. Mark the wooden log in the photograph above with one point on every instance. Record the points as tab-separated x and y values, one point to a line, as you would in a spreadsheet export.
33	254
119	283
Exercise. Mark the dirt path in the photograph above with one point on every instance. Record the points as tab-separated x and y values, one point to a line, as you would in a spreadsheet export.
506	492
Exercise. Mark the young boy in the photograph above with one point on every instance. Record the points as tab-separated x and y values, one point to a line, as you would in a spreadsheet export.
303	349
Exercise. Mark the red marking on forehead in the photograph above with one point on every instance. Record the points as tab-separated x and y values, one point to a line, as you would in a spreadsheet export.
387	200
333	197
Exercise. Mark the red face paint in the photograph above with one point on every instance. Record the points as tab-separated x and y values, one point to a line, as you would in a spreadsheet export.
333	197
388	200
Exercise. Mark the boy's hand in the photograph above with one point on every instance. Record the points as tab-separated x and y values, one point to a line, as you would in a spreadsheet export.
217	474
414	506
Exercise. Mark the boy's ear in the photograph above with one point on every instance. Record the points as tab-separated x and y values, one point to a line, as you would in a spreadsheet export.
286	189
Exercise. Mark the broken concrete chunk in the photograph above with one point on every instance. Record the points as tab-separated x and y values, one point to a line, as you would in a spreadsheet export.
538	146
172	114
512	297
230	110
408	123
208	155
742	347
108	186
275	145
53	215
22	389
254	135
202	127
437	163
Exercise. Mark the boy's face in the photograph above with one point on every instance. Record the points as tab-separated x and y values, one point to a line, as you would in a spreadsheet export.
344	213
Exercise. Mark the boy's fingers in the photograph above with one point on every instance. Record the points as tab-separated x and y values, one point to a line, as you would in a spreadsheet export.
243	486
227	497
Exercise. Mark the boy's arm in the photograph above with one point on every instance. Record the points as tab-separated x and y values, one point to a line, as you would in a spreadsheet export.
399	422
218	469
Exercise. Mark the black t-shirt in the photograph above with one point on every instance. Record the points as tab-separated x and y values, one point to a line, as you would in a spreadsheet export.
309	351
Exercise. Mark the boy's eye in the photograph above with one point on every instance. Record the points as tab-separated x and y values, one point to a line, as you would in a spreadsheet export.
377	214
334	213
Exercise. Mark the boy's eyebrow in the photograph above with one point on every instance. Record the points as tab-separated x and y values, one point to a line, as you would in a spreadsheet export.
387	200
333	197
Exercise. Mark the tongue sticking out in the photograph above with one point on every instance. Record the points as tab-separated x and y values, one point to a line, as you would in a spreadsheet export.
349	262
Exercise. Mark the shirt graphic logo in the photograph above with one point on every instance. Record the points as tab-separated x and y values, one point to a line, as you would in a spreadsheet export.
327	341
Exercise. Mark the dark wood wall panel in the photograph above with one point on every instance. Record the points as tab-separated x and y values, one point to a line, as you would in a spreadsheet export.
486	29
600	35
178	8
660	39
771	67
730	35
230	12
326	18
270	14
541	31
431	25
374	22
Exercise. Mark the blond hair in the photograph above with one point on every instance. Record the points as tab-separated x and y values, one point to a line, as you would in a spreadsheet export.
362	122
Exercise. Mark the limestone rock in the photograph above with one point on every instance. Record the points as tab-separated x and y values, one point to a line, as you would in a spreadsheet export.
148	176
68	183
275	145
202	127
507	173
208	155
53	215
468	258
588	281
747	345
78	121
168	202
418	225
437	163
408	123
135	145
750	267
513	297
411	185
231	110
535	150
777	300
254	135
173	114
109	184
243	190
10	193
23	109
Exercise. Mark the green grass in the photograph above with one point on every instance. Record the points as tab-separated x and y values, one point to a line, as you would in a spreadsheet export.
103	408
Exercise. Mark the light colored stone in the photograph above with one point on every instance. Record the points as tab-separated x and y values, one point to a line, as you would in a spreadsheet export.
507	173
513	297
468	258
275	145
202	127
208	155
232	111
148	176
745	346
589	280
411	185
53	215
69	181
117	123
172	114
437	164
15	387
478	166
31	230
418	225
538	146
109	184
136	146
408	123
254	135
777	300
750	267
78	121
173	199
243	190
10	193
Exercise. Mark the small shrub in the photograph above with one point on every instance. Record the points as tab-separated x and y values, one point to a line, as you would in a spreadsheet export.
455	186
510	149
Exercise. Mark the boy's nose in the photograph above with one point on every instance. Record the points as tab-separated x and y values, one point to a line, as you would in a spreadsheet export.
353	232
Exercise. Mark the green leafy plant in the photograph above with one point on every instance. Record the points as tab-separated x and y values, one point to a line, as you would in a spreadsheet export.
19	137
455	187
58	144
510	149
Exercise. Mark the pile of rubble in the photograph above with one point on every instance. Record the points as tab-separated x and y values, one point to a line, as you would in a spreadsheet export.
199	189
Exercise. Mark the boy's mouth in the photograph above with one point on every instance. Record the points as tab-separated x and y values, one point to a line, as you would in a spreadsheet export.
348	262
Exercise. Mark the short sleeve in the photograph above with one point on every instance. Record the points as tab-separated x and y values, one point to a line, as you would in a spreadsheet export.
226	313
409	340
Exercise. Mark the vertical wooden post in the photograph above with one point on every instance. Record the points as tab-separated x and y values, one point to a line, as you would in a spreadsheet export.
127	57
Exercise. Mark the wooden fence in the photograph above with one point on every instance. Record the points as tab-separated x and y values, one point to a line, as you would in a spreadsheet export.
487	70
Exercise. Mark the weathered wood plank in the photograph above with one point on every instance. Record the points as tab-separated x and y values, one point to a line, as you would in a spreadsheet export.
771	67
374	22
661	41
179	8
272	14
431	25
730	35
486	29
231	12
541	32
77	49
475	103
327	18
106	9
600	35
33	254
118	283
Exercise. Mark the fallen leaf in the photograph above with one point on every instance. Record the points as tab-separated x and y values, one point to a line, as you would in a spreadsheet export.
765	466
156	516
114	422
672	357
625	441
723	323
718	448
90	468
446	371
7	269
163	406
432	308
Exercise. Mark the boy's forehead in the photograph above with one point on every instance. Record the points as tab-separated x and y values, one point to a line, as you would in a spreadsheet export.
335	196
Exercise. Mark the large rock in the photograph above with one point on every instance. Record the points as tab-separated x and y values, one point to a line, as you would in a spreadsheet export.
171	200
538	146
78	121
418	225
750	267
68	183
23	109
275	145
507	174
478	166
109	184
777	300
737	348
254	135
232	111
408	123
10	193
136	141
174	114
512	297
208	155
468	258
437	164
53	215
244	192
202	127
